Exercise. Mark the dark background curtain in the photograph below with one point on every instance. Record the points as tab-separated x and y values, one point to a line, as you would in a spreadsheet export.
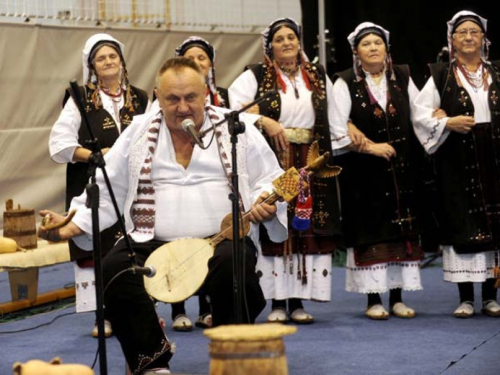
417	28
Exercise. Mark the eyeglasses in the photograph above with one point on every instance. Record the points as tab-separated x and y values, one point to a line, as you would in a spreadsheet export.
463	33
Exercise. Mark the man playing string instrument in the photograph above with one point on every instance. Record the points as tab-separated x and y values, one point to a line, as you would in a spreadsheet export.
167	189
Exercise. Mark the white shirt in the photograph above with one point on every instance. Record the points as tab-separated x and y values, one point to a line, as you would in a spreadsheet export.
294	112
183	207
192	192
430	131
63	139
342	105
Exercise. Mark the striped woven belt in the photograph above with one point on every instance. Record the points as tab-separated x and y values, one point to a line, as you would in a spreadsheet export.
299	136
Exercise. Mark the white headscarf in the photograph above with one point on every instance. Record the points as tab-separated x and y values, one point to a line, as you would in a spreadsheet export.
267	46
196	41
91	42
361	30
269	31
451	26
366	25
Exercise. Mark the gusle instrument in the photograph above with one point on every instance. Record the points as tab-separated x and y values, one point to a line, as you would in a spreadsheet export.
182	265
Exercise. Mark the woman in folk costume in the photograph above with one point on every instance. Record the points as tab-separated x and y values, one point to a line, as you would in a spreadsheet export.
110	103
203	53
298	114
378	183
465	150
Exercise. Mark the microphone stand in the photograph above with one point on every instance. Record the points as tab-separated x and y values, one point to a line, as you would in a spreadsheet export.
96	160
235	127
235	114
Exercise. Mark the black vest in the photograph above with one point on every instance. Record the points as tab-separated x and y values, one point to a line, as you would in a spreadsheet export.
325	220
378	197
223	97
460	165
104	129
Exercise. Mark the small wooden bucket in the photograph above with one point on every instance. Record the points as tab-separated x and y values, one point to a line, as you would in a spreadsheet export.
248	349
20	225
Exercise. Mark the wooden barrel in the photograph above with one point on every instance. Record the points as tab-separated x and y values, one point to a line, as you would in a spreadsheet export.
248	349
20	225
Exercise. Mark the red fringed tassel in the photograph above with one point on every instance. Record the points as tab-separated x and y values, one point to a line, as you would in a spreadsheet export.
303	205
216	97
281	83
279	78
409	247
306	78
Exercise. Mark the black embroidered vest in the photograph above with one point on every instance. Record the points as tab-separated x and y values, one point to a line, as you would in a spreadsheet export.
223	97
104	129
379	197
467	168
325	205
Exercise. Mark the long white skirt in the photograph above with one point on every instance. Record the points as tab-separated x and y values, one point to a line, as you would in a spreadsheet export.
278	282
381	277
85	289
459	268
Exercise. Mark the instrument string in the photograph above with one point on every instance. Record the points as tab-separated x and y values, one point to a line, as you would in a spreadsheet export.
213	241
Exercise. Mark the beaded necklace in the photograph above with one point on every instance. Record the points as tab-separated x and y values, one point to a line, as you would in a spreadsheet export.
476	79
290	73
115	97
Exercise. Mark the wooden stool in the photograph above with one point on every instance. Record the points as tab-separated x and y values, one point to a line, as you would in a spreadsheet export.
248	349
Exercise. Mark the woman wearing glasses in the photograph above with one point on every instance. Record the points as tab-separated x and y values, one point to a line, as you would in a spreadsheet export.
465	148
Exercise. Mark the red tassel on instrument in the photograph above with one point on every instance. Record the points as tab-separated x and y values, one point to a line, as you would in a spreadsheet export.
303	206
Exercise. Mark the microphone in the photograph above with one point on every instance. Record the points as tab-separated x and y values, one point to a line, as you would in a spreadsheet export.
189	127
148	271
443	55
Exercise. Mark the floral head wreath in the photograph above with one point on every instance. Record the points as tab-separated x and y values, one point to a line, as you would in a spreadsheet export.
463	16
196	41
362	30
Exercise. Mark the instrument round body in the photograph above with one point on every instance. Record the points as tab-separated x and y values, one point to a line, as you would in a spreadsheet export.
181	267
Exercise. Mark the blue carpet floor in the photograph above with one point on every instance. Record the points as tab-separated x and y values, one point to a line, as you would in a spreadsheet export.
342	341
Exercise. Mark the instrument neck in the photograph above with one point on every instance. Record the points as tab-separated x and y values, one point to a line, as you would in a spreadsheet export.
226	233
